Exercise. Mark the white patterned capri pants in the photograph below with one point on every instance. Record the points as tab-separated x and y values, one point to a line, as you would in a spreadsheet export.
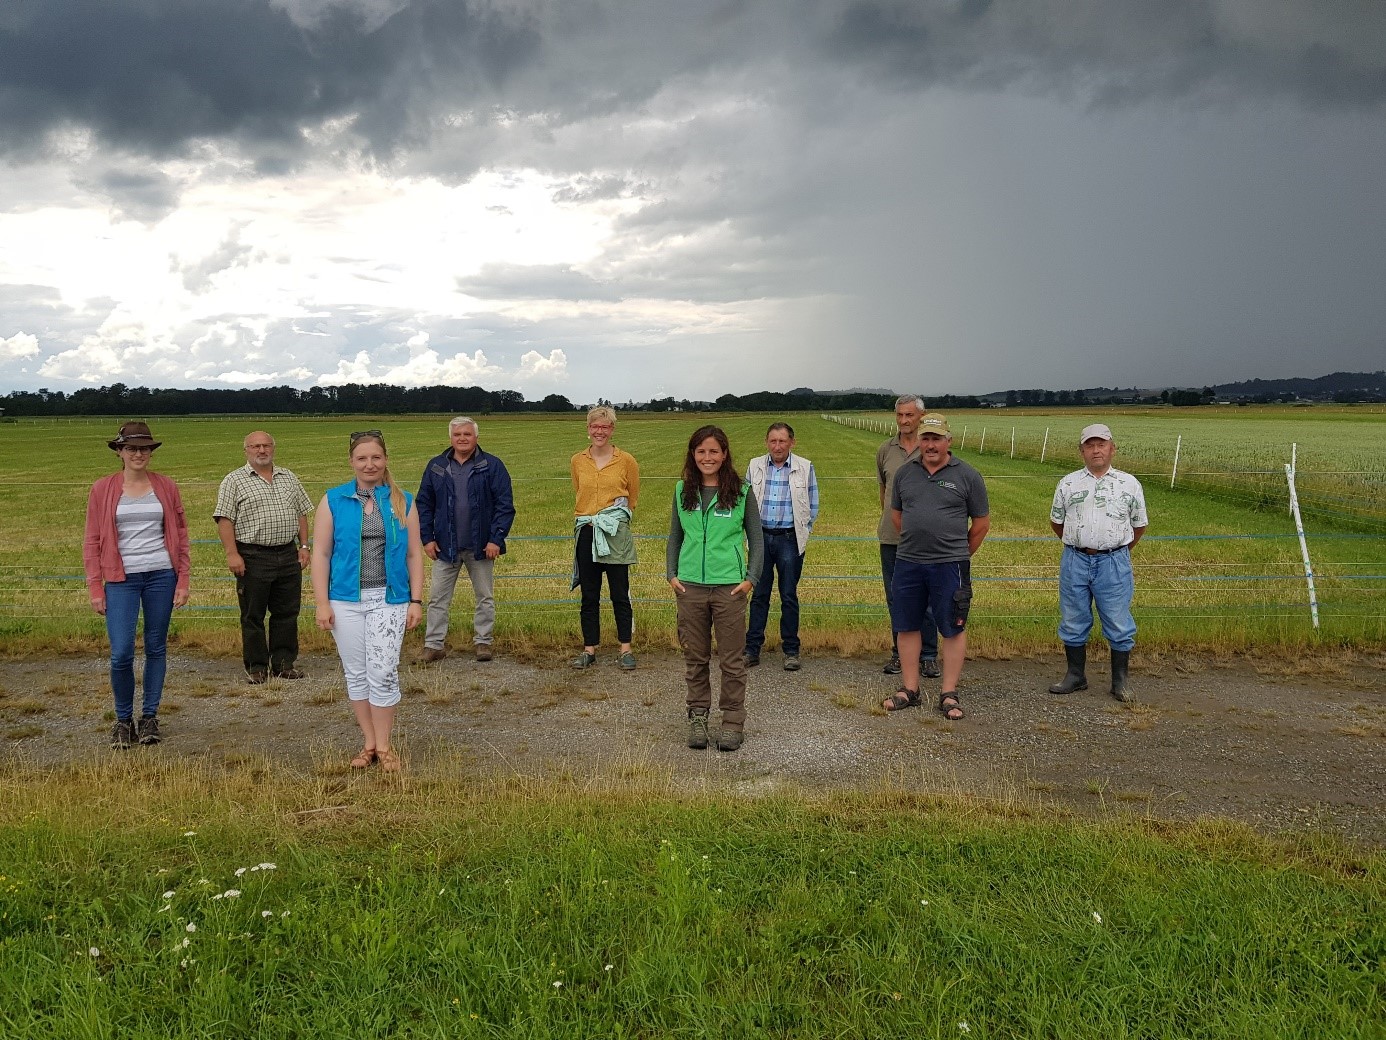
369	635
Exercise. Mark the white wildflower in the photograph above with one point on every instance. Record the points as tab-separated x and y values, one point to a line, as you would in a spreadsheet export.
607	968
284	914
189	834
240	871
964	1027
923	902
558	984
266	866
1097	917
94	952
220	895
266	913
169	894
185	943
232	893
191	927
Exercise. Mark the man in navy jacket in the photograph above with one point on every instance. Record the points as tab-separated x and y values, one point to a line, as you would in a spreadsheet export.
466	508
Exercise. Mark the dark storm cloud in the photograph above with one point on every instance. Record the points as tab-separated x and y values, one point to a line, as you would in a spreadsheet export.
143	194
150	75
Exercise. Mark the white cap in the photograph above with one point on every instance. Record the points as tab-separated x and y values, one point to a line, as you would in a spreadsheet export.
1098	429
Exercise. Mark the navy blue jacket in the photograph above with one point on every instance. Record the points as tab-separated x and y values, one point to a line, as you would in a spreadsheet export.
489	495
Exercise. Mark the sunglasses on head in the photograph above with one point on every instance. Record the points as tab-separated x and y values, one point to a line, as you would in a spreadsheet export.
365	433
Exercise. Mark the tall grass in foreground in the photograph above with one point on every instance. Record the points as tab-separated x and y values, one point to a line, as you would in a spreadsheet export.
143	899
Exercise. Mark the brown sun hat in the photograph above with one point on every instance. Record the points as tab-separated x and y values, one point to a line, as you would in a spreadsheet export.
133	435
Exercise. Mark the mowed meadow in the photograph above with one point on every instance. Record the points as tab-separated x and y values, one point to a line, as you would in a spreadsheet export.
1221	568
156	894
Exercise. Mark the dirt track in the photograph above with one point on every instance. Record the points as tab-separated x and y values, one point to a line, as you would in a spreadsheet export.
1256	742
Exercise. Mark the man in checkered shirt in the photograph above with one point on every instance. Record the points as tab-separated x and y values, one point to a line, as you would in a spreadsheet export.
262	519
1099	514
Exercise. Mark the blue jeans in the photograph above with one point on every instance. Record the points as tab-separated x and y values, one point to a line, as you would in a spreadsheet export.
929	633
152	591
782	558
1104	580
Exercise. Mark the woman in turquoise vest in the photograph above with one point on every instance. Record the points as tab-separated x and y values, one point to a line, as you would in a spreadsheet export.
715	546
368	585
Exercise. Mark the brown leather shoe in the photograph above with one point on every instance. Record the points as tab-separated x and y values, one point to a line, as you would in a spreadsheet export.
483	652
430	655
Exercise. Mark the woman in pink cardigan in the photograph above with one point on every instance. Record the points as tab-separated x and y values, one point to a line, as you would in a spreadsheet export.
136	558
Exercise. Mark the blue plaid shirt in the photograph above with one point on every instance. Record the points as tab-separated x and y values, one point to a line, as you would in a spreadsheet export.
777	511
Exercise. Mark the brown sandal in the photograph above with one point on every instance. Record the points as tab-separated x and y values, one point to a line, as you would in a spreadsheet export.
902	698
389	761
365	758
948	704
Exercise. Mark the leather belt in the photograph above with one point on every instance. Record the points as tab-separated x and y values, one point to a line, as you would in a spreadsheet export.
1098	552
778	530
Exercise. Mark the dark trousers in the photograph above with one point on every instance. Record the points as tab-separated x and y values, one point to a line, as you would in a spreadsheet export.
590	582
782	560
273	581
705	611
930	631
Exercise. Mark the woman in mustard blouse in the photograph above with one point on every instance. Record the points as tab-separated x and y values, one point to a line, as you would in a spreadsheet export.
606	483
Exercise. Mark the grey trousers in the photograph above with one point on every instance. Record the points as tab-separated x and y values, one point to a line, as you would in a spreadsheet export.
482	573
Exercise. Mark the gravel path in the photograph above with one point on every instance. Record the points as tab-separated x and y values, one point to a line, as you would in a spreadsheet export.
1277	746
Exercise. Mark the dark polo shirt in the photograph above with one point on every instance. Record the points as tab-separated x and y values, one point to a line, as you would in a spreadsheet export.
935	509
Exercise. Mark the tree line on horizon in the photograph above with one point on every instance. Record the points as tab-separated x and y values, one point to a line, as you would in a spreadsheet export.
385	399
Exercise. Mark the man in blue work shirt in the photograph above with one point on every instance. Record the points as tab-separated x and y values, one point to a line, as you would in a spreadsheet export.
786	490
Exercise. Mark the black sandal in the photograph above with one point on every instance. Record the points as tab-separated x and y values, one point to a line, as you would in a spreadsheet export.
902	698
948	704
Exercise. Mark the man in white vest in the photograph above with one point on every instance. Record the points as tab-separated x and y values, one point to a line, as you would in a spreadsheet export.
786	491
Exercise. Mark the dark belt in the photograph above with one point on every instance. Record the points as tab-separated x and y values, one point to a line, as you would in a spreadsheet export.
1097	552
267	548
778	530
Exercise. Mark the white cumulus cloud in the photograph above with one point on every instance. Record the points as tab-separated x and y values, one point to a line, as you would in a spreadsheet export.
20	345
535	366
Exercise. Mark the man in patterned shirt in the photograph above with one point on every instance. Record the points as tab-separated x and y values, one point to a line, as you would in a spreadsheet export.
262	519
786	490
1099	514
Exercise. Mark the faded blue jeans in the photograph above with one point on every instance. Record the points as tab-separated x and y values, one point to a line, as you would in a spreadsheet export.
783	561
1104	580
153	592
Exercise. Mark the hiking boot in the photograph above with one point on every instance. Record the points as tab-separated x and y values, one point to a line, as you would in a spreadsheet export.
697	728
627	662
1121	663
751	659
122	734
929	668
258	677
791	664
729	739
483	652
431	654
290	673
892	667
1077	676
148	730
584	660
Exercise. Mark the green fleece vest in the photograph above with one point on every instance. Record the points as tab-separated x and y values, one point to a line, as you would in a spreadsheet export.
713	542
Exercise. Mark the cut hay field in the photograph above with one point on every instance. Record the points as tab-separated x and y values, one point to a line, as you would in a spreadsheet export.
1219	570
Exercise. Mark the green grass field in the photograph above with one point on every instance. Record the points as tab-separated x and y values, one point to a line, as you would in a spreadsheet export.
142	898
1217	571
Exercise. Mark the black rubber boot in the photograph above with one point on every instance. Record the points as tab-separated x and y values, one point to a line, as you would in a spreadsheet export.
1121	661
1077	677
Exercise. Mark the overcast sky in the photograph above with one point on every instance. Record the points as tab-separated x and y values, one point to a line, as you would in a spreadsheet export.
639	198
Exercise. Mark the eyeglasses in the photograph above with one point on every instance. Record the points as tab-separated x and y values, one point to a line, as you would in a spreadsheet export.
600	426
366	433
133	450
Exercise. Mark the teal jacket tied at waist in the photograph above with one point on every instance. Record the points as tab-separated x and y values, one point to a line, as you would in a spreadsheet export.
612	539
345	576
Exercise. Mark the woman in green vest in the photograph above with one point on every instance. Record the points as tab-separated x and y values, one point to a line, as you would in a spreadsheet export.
715	546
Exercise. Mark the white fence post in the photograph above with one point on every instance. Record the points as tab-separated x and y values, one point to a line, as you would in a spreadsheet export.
1012	442
1174	470
1303	545
983	446
1045	446
964	440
